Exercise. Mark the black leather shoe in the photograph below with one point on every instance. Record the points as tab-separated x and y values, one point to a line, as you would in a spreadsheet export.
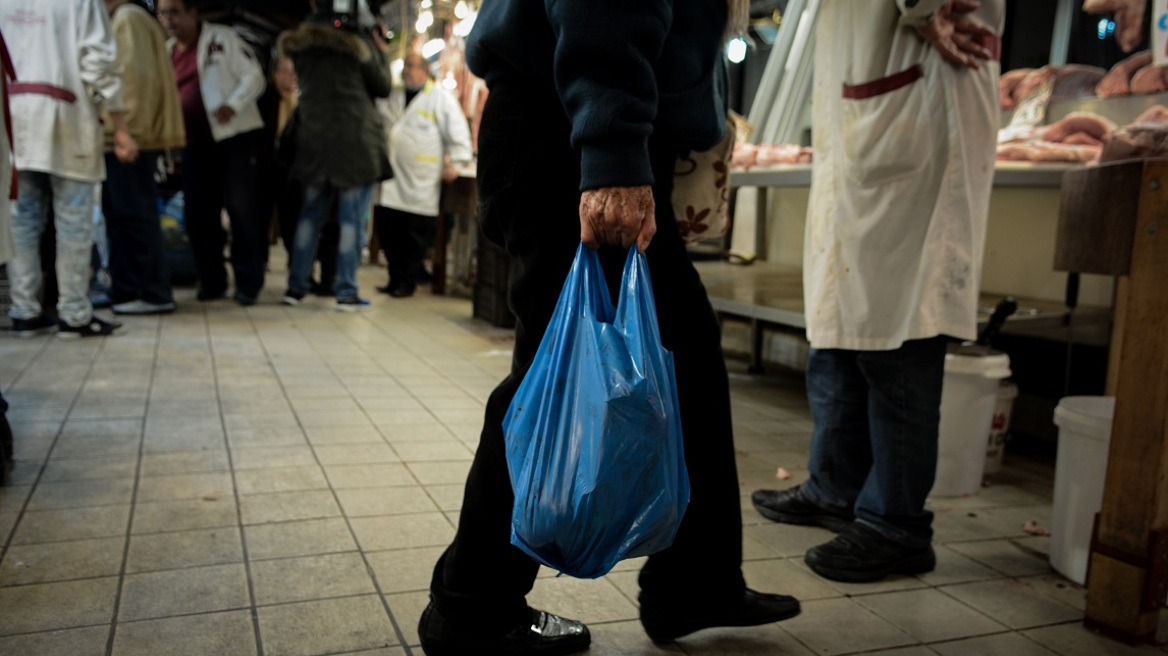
667	623
789	506
385	289
861	555
544	635
210	294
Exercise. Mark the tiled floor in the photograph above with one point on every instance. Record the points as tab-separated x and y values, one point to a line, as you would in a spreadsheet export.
227	481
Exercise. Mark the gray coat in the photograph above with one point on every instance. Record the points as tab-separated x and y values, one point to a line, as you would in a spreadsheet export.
338	135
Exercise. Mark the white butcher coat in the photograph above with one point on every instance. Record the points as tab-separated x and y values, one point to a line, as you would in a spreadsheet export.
229	74
66	69
901	181
420	135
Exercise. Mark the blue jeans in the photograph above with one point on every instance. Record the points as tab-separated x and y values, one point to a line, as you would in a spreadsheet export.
352	205
874	446
73	205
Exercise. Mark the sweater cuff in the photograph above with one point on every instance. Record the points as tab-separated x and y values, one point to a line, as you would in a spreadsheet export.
615	164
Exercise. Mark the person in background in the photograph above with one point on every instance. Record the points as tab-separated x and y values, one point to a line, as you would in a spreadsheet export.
64	55
904	162
140	275
591	105
219	82
339	150
7	250
428	139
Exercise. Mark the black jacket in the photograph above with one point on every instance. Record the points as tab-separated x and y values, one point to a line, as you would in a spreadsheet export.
338	137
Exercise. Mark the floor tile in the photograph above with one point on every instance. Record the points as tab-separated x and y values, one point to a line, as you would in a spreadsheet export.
787	577
276	456
338	435
586	600
330	626
161	551
447	497
62	561
404	570
439	473
355	454
89	641
402	531
184	462
1010	644
930	616
83	469
385	501
433	451
315	536
343	477
183	592
953	567
818	627
72	524
281	479
207	512
1073	639
1013	603
288	506
214	634
186	487
310	577
74	494
51	606
1004	556
407	608
14	497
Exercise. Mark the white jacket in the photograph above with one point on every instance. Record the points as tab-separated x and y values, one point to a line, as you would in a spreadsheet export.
66	69
904	163
228	75
7	243
420	136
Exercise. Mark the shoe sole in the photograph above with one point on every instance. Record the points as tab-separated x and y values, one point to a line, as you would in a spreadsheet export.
829	522
663	637
913	565
26	334
350	308
291	302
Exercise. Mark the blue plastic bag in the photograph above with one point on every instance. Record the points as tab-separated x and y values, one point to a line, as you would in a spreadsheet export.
593	433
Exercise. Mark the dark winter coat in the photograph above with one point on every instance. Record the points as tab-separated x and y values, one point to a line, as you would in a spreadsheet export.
338	137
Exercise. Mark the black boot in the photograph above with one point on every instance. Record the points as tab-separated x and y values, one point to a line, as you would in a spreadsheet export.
789	506
544	635
859	554
665	622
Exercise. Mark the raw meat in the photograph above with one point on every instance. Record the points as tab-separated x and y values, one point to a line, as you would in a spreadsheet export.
1156	114
1042	151
1092	124
1082	139
1129	18
744	155
1117	82
1136	141
1150	79
1070	81
1008	86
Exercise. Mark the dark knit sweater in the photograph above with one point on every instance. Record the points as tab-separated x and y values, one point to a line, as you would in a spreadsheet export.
623	70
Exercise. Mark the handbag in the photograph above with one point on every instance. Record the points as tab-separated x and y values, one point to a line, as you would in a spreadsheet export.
701	190
594	444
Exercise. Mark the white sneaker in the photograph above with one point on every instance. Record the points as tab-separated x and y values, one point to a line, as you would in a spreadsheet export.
142	307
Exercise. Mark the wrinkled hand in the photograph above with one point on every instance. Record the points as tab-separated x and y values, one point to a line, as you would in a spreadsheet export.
224	114
618	215
449	174
957	35
125	147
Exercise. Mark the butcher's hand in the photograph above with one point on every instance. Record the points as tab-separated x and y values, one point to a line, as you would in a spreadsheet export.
618	215
957	34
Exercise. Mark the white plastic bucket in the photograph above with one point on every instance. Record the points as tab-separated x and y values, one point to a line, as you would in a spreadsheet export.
1081	466
1000	426
968	397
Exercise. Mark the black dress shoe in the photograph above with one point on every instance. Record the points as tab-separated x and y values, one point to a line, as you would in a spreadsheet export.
861	555
402	292
544	635
385	289
210	294
789	506
668	622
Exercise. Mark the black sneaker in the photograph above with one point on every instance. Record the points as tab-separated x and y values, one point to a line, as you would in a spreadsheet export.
859	554
789	506
352	304
543	634
95	327
205	295
668	621
292	297
41	325
246	300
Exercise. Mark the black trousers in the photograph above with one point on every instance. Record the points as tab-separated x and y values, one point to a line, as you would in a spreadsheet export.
404	237
129	199
529	202
218	176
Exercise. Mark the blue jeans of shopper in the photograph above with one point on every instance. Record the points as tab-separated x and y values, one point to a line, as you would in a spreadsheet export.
352	205
73	204
137	264
874	446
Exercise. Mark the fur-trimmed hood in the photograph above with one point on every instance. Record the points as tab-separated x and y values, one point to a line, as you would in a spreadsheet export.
325	37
